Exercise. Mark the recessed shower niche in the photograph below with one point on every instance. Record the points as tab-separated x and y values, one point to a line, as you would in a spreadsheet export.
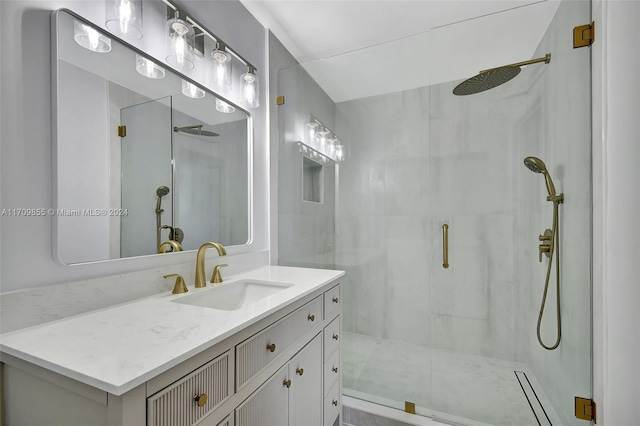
312	181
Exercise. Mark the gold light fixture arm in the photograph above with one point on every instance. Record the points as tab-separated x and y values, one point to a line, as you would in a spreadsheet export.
546	59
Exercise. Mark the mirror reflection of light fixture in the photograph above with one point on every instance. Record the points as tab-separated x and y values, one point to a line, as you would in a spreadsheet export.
180	42
222	106
89	38
124	18
339	151
148	68
251	87
221	65
191	90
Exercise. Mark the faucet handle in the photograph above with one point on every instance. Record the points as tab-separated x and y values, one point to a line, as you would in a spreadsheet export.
216	277
180	286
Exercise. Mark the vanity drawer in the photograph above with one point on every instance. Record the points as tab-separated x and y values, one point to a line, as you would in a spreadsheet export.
331	338
331	301
332	405
177	403
254	354
331	371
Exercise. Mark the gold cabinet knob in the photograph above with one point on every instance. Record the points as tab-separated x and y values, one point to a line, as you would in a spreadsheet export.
271	347
201	399
335	300
335	402
334	369
311	317
335	337
300	371
286	383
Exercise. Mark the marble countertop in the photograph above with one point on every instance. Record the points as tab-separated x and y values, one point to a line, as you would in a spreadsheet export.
118	348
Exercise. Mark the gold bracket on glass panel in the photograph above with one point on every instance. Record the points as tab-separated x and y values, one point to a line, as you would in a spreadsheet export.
445	246
122	131
585	409
280	100
409	407
584	35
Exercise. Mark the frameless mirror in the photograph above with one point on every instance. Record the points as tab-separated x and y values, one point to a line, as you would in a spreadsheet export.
142	155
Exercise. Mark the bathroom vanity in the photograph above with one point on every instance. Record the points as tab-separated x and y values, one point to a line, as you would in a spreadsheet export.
262	349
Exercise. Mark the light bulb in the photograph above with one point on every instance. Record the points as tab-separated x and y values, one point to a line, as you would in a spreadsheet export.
251	88
180	43
90	38
221	63
125	18
191	90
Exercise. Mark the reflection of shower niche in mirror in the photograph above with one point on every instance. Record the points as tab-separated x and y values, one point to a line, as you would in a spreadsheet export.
312	181
108	203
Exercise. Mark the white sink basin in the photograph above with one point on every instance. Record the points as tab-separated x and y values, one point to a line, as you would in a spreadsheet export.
232	296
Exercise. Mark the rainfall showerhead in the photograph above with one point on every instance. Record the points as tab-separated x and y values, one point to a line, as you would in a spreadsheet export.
494	77
195	130
536	165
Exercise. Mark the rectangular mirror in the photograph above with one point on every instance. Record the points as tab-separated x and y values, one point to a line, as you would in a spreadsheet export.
142	155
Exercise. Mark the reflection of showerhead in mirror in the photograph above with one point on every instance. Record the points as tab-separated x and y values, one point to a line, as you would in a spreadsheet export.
161	192
536	165
195	130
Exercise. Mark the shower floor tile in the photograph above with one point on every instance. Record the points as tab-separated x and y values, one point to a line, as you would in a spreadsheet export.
480	389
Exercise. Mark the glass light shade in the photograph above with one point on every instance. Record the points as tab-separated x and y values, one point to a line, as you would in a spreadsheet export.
322	139
251	89
312	128
330	148
148	68
91	39
222	106
221	67
339	156
124	18
191	90
180	44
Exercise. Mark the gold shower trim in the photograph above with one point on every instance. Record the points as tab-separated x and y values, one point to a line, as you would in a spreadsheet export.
445	246
546	59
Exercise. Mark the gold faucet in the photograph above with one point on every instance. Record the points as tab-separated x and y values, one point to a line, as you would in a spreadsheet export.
176	246
200	280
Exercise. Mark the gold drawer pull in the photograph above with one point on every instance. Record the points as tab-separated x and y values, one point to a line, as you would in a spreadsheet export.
335	402
201	399
300	371
335	337
335	300
271	347
287	383
334	369
311	317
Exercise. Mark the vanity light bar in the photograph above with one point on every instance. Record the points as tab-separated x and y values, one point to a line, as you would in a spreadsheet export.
197	25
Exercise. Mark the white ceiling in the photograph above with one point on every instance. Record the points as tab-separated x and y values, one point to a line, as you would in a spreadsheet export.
359	48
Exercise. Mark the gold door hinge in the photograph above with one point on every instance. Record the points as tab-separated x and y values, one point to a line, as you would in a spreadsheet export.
280	100
122	131
584	35
409	407
585	409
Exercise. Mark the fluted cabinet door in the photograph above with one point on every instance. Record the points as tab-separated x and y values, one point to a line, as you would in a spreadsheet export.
305	394
267	405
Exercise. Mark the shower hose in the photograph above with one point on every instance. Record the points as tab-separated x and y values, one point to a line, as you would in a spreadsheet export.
554	242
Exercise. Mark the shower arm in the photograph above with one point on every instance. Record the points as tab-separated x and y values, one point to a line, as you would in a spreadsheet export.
546	59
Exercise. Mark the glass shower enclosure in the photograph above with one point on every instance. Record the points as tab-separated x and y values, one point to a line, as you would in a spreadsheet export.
457	339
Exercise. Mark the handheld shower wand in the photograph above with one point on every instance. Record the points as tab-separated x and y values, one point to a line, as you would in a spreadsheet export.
160	192
550	243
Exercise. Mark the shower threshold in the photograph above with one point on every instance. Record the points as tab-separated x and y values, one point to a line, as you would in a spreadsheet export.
446	386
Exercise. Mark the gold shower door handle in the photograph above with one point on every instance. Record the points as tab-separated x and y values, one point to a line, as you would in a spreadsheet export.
445	246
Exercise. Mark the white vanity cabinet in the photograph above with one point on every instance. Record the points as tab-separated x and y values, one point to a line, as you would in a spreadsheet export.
283	369
292	396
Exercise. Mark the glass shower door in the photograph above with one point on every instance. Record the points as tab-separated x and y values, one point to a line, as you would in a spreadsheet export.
487	363
146	166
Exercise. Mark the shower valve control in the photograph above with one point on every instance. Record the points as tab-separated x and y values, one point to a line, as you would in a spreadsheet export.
545	247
